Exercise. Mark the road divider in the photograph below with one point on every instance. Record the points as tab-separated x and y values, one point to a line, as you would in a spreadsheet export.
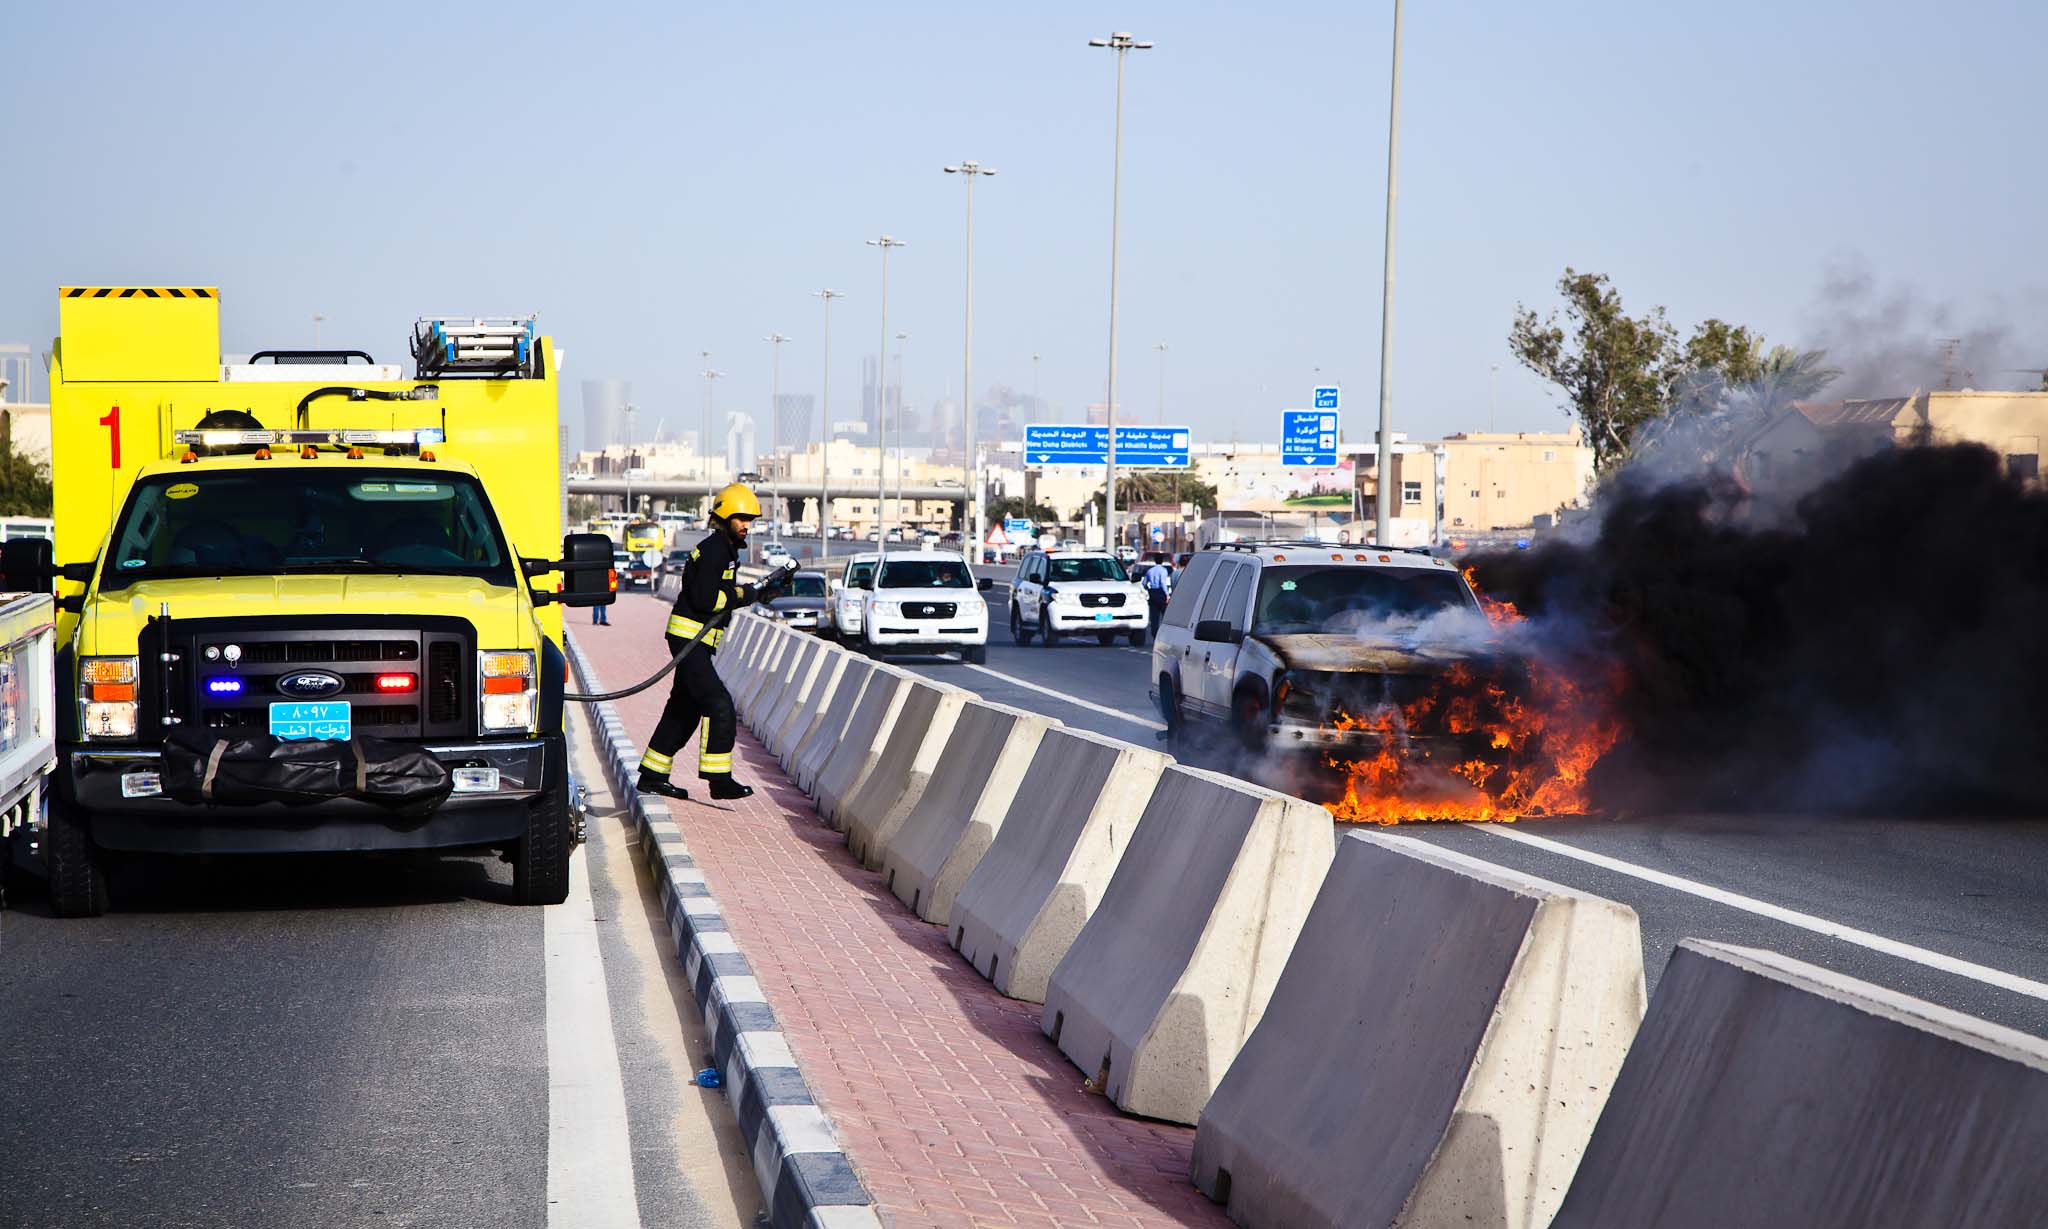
943	837
803	712
859	743
1765	1091
767	724
771	669
1051	858
1458	1023
753	669
834	710
1173	969
902	772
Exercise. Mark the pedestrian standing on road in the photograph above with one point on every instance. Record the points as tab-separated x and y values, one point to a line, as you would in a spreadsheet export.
1158	589
698	699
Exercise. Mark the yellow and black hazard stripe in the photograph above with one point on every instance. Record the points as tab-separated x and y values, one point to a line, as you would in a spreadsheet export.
146	292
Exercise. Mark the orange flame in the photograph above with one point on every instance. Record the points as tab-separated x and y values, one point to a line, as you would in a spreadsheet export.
1534	731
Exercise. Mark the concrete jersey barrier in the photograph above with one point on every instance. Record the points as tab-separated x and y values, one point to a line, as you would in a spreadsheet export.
767	723
860	743
833	714
1435	1054
1172	971
756	670
733	656
944	835
1765	1091
1070	822
804	712
775	675
902	772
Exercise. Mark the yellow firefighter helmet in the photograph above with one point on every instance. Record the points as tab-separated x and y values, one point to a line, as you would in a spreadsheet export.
735	500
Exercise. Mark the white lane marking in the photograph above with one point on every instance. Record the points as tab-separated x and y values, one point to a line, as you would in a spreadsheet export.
590	1154
1791	917
1063	697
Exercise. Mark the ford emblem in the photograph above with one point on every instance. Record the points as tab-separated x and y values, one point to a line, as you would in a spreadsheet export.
309	685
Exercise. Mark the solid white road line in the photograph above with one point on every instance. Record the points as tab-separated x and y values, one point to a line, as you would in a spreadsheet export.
1064	698
590	1155
1791	917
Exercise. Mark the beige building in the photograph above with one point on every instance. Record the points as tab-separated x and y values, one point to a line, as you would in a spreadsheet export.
1505	481
1788	448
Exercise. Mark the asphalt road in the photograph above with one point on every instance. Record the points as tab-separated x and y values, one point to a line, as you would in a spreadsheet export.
1953	910
347	1041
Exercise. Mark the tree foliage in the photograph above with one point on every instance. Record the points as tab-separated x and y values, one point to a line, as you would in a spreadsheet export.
24	484
1618	372
1014	505
1153	486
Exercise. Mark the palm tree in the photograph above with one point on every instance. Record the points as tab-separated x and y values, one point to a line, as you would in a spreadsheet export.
1790	375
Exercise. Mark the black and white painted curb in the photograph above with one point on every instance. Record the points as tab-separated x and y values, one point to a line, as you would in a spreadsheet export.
806	1180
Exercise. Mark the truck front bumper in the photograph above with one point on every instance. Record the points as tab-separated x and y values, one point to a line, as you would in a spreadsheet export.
102	781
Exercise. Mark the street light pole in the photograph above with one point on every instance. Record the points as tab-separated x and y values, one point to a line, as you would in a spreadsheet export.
825	430
1123	44
1161	347
902	395
885	242
971	516
775	341
1383	495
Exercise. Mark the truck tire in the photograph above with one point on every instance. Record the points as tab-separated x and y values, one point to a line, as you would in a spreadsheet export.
540	859
78	873
1018	632
1105	639
975	654
1047	633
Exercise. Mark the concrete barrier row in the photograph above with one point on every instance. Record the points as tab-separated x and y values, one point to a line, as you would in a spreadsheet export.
1379	1031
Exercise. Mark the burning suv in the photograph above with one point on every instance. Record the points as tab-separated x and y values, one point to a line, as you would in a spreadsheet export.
1310	646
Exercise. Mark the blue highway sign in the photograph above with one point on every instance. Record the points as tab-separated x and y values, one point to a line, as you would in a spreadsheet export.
1326	398
1308	438
1136	447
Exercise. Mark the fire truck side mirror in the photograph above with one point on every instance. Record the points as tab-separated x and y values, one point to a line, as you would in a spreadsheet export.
27	565
586	570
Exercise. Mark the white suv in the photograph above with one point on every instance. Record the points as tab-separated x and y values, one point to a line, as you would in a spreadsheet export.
1079	593
1288	645
843	602
924	601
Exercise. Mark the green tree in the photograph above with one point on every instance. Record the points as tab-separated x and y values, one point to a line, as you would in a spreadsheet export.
24	484
1618	372
1154	486
1014	505
1787	375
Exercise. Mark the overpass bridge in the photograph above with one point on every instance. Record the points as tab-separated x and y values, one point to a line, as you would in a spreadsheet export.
697	488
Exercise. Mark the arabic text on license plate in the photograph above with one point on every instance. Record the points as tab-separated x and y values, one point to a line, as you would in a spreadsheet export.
1104	618
310	719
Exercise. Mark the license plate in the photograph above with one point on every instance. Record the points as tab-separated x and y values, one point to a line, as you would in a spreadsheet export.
1104	617
310	719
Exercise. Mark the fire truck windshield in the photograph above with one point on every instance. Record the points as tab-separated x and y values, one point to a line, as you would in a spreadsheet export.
253	523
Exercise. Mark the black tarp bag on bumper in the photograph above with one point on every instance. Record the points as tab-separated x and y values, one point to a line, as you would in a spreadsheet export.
250	769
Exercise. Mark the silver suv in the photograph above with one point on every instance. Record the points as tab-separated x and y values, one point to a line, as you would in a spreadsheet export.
1292	645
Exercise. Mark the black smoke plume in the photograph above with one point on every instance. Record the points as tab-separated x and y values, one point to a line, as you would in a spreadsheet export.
1882	649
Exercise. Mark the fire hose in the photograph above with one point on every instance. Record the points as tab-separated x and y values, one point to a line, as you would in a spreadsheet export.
770	585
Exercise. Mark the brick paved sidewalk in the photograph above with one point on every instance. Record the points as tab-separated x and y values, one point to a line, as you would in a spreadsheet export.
954	1108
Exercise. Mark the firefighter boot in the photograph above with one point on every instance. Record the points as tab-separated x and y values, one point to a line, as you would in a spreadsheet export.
723	787
651	782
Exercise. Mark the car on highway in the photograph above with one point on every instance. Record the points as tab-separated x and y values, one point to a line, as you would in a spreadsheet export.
1296	645
924	601
803	604
773	553
633	570
1076	593
846	591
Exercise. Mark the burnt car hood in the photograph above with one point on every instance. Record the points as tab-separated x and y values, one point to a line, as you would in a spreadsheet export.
1342	654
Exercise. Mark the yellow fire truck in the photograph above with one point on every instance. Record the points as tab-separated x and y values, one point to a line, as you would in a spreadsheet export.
299	607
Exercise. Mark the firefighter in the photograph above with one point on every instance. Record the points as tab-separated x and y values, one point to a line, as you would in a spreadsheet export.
698	699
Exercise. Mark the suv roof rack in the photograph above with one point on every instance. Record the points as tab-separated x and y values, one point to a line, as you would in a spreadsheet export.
1251	545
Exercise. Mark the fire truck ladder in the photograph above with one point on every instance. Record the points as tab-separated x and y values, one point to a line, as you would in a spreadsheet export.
482	347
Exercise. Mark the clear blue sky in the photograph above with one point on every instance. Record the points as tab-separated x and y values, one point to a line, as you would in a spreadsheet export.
657	180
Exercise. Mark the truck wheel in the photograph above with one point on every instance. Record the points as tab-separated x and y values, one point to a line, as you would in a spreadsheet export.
1046	631
1105	639
540	861
78	874
1251	721
1137	640
1177	737
1018	632
975	654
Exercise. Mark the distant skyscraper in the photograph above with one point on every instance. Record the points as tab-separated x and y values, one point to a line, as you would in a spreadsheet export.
604	413
795	419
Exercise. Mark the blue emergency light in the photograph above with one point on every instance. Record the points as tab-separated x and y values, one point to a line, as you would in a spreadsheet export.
226	685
